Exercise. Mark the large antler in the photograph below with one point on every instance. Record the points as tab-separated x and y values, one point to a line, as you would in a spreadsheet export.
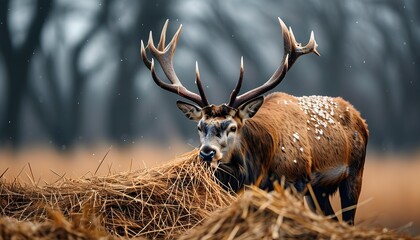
292	50
164	55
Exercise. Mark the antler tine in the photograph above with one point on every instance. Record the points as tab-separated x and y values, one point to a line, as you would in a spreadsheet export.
161	44
298	50
164	55
292	51
177	89
200	86
146	61
238	84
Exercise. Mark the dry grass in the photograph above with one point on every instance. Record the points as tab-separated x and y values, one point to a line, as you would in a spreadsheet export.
279	215
49	165
161	202
58	228
168	200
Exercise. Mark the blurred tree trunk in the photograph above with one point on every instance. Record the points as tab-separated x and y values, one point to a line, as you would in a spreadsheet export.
63	124
17	62
79	79
409	74
121	126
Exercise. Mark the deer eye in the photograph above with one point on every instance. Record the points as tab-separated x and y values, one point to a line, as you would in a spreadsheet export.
233	129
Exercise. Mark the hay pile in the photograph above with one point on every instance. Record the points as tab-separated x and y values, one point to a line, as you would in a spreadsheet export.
58	228
161	202
177	200
279	215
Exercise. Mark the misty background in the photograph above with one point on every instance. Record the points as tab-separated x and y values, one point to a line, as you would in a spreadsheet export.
71	72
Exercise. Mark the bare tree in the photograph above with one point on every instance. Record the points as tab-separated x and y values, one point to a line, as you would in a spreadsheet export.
64	121
123	97
17	61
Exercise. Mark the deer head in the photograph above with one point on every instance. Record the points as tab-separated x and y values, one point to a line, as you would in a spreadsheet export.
219	127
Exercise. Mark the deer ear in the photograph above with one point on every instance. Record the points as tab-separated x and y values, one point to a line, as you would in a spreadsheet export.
250	108
191	111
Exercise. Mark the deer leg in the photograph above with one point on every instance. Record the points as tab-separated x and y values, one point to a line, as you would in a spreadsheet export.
324	203
323	200
310	202
351	186
349	195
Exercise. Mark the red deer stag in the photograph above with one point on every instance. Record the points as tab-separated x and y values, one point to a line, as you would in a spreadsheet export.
313	140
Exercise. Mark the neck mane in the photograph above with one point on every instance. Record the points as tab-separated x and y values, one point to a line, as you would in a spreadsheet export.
247	160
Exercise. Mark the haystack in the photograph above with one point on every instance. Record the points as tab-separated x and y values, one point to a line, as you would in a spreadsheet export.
180	199
57	228
161	202
280	214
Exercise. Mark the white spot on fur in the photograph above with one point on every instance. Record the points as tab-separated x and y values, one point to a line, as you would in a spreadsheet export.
319	131
320	111
295	161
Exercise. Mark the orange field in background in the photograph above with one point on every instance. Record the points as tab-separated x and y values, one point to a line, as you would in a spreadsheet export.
390	193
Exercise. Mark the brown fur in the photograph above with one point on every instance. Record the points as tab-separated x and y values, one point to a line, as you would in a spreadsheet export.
284	141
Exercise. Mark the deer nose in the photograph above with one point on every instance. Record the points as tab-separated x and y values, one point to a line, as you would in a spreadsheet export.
207	153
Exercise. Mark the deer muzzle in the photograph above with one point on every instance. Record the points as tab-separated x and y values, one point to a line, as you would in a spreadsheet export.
207	153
